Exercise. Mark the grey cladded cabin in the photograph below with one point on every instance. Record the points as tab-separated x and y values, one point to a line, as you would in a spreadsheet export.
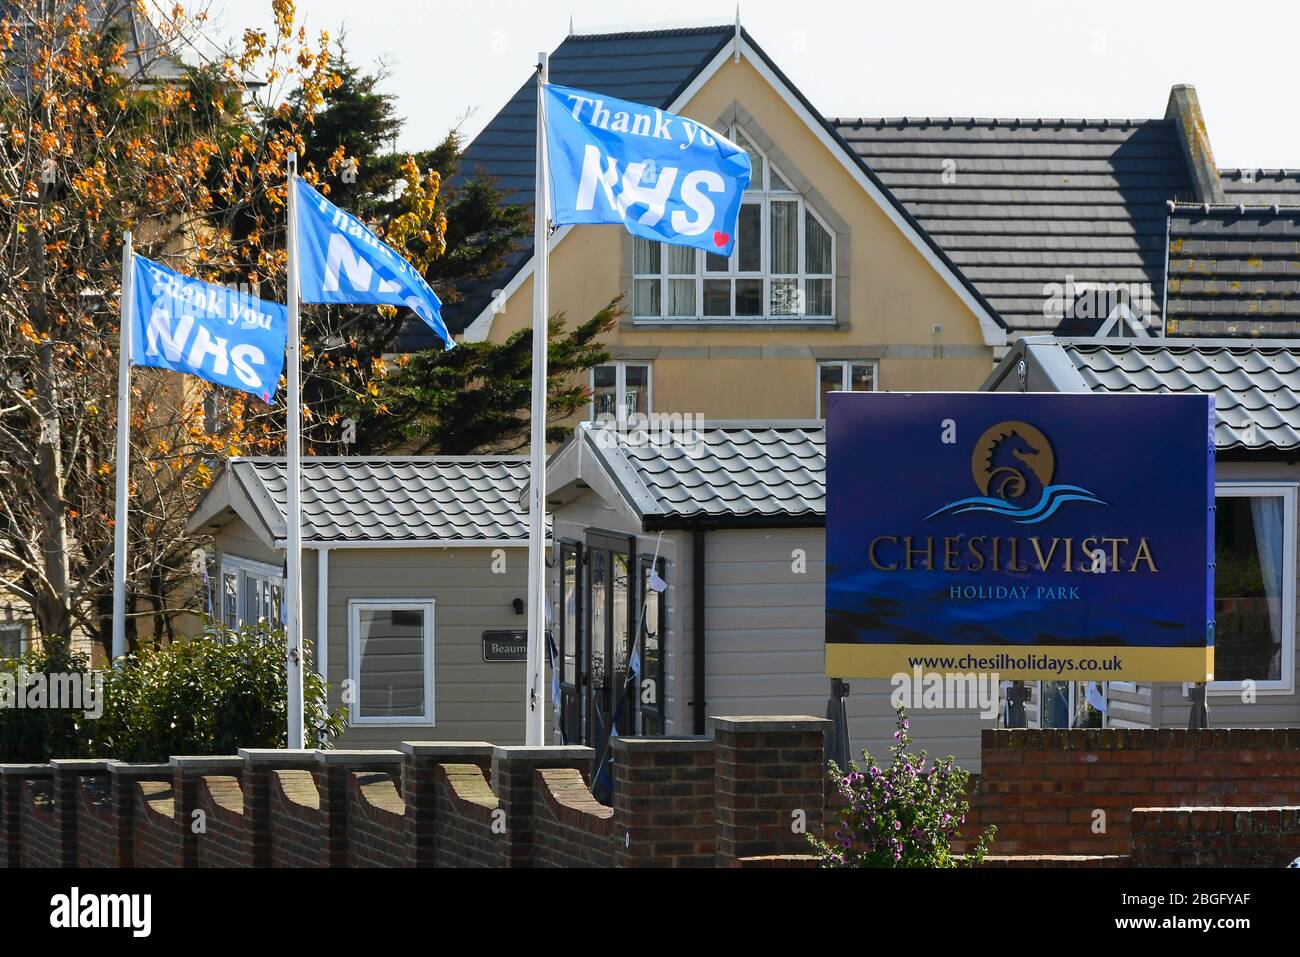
1256	389
422	564
733	518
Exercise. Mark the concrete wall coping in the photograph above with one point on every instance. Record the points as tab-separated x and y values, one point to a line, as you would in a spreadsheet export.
437	749
768	723
544	753
652	745
127	770
205	762
79	764
278	757
1201	808
27	770
359	759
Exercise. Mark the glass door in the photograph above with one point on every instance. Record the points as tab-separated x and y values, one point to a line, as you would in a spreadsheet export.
608	598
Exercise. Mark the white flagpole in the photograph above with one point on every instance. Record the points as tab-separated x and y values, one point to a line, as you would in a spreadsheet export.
293	443
535	690
122	465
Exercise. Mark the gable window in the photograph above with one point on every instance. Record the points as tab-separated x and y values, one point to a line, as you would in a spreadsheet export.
782	266
1254	586
849	375
619	390
251	592
390	661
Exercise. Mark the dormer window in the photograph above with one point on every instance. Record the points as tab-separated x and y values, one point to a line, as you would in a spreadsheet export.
782	267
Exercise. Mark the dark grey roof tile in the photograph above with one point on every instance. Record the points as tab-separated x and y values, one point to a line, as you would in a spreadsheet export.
1253	384
438	500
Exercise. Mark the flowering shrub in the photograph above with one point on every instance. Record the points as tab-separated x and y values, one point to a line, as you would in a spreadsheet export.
903	815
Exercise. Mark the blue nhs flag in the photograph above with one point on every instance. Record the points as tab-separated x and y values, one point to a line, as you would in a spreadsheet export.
213	332
341	261
663	176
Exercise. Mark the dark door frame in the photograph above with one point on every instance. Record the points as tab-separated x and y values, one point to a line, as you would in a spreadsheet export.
599	540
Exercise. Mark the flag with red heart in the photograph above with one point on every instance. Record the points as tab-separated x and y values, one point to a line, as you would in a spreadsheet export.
663	176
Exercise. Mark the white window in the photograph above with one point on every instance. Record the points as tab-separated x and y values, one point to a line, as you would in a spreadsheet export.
390	661
844	376
1254	587
620	389
251	592
782	266
13	639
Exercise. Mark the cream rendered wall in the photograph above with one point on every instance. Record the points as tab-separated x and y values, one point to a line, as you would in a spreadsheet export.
895	297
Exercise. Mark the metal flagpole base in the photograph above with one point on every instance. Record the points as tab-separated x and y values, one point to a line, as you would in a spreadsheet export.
1199	716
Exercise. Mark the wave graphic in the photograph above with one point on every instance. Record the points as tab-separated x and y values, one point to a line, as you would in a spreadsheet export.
1054	496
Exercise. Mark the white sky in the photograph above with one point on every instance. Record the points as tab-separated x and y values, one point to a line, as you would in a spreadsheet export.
454	60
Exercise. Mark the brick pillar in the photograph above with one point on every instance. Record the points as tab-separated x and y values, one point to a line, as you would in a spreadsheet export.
663	802
420	791
67	796
186	771
512	782
11	798
767	769
333	769
123	778
258	763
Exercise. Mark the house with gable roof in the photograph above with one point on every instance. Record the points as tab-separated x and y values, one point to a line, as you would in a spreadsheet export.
873	253
916	251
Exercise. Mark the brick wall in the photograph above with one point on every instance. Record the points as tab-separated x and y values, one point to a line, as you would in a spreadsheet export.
570	827
423	787
664	802
39	829
1216	837
469	827
376	820
296	822
1073	792
768	778
744	798
96	840
223	840
154	818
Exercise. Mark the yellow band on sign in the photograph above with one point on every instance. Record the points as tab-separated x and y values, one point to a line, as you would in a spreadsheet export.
1017	663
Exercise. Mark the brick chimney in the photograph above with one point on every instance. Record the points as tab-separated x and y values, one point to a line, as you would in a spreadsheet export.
1185	110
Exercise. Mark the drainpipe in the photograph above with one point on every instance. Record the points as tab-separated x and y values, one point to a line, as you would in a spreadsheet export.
697	625
1164	292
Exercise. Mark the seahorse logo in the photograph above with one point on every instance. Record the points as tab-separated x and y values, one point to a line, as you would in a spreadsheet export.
1013	465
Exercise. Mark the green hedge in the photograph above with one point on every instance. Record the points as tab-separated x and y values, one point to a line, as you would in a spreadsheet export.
209	695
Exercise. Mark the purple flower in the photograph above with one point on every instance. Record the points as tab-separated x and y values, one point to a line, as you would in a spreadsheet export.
898	825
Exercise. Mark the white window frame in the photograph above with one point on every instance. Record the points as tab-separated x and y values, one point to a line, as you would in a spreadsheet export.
24	629
355	607
1287	491
241	568
762	194
620	386
846	373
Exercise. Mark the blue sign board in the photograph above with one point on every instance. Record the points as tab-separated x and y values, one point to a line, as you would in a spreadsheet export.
1038	536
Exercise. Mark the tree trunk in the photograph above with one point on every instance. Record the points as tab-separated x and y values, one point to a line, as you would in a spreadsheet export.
53	596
